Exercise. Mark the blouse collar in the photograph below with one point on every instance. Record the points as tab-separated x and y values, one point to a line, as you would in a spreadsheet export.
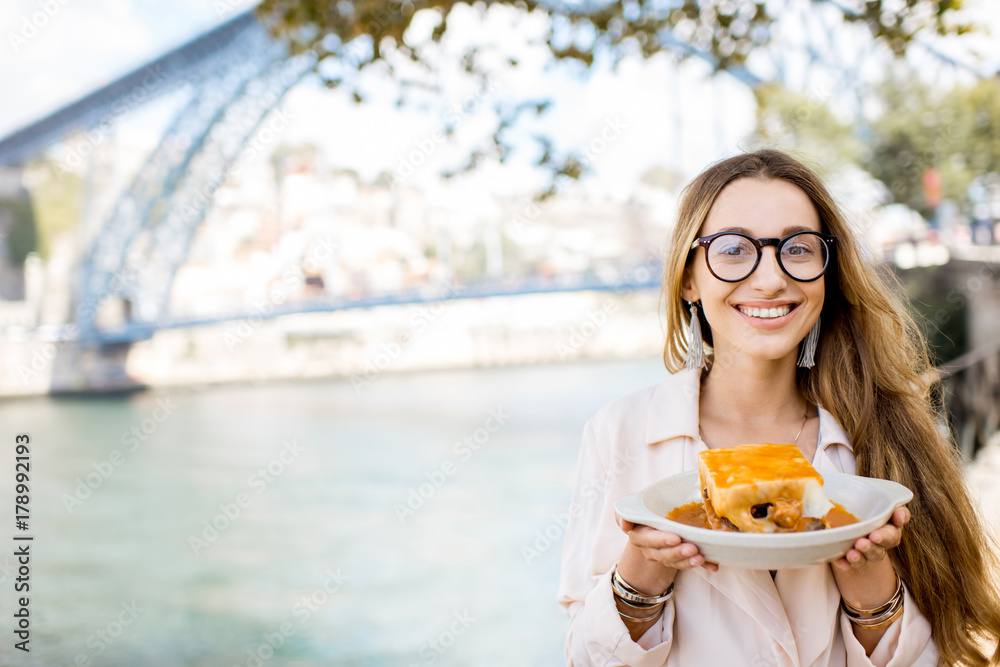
673	412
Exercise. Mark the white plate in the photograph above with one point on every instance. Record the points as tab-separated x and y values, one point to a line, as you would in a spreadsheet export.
872	501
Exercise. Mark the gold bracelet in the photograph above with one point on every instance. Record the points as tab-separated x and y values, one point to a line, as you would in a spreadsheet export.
879	617
645	618
889	620
634	605
624	591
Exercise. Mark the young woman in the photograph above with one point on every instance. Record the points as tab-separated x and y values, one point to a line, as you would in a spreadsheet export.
806	343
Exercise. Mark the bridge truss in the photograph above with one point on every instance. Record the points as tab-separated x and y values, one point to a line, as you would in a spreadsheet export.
236	75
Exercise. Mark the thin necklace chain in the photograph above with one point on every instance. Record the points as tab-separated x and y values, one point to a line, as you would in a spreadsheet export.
805	418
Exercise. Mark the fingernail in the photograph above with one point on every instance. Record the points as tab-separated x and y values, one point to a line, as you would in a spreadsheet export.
695	561
687	550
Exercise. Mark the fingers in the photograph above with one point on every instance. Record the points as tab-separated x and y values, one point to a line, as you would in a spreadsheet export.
668	549
870	550
865	551
890	534
900	516
855	558
645	537
876	545
683	557
887	537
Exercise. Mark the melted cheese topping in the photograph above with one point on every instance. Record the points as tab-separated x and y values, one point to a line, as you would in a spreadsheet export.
749	464
736	479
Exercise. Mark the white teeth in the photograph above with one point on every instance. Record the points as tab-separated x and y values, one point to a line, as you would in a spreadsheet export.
766	313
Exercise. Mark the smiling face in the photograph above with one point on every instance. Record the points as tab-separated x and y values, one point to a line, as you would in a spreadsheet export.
766	315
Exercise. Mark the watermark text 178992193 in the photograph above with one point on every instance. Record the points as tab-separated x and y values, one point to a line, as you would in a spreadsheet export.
22	513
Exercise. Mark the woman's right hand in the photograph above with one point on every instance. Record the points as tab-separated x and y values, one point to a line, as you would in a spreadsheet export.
652	557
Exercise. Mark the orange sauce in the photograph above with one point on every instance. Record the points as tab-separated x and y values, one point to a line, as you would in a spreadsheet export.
838	516
693	514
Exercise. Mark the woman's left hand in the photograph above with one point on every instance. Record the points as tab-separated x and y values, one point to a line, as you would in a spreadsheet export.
874	547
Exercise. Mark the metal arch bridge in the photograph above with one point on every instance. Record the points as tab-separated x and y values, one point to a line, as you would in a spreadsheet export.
644	277
235	75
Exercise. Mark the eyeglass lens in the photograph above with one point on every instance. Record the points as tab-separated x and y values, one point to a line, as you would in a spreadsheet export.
733	257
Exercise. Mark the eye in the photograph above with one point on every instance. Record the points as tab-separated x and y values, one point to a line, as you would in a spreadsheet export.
801	247
797	249
732	247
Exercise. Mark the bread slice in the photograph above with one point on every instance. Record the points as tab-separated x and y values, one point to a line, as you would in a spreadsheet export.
764	488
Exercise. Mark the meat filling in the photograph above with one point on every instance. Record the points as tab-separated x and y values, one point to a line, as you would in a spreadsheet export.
814	524
715	521
729	525
785	513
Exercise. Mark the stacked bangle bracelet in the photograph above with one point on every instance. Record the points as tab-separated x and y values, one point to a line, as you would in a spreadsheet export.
880	617
633	599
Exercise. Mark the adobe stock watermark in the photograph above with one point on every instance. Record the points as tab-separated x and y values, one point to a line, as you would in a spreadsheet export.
425	148
612	129
775	655
230	512
225	7
944	139
595	319
960	295
462	450
302	611
261	138
103	638
32	25
590	491
389	352
291	279
118	284
817	98
581	333
130	441
72	159
782	128
437	646
359	51
40	358
719	360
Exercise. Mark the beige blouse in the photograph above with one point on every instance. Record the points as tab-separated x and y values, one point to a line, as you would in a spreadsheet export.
730	618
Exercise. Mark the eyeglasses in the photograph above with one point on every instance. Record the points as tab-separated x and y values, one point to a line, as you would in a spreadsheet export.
732	257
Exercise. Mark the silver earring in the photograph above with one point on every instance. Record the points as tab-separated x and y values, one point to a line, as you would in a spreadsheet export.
807	355
696	349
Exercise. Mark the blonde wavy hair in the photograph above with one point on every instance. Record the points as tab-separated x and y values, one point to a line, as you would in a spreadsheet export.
871	374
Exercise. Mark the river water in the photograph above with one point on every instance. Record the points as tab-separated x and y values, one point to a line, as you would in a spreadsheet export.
411	522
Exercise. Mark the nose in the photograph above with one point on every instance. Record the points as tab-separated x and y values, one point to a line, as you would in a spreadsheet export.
768	277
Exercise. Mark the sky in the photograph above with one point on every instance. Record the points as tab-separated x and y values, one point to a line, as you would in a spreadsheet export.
54	51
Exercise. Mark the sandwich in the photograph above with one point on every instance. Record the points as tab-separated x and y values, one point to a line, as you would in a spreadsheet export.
762	489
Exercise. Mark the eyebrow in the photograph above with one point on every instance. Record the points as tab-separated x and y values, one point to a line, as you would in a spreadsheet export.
785	232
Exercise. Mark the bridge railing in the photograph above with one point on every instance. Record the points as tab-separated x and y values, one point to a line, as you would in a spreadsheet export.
970	390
